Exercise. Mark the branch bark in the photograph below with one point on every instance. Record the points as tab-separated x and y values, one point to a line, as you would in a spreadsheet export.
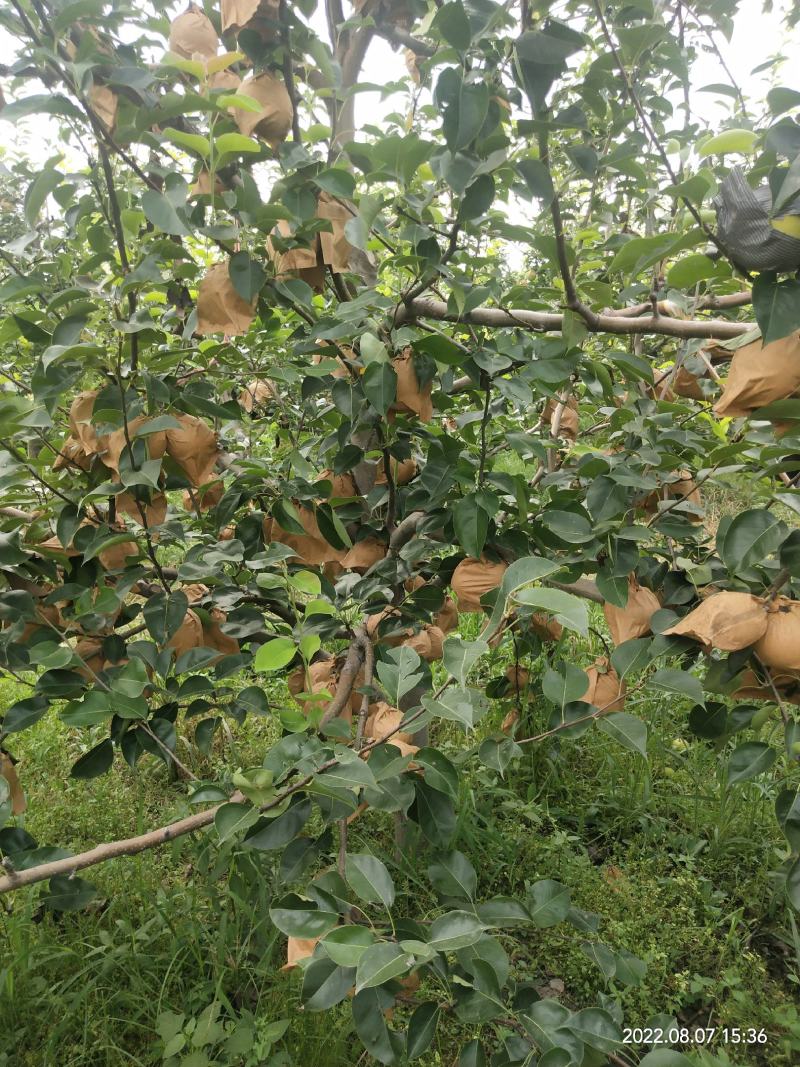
548	321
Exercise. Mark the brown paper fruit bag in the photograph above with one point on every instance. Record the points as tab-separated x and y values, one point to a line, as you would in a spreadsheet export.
606	689
257	15
193	34
570	420
546	628
311	547
334	246
103	104
110	446
446	618
274	121
759	375
518	677
472	578
779	647
255	394
155	512
220	309
727	621
8	771
188	635
411	399
634	619
214	637
343	486
193	446
303	263
72	456
364	554
80	421
297	949
402	471
427	643
382	721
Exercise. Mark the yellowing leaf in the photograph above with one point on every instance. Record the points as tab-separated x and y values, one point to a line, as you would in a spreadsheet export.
788	224
728	141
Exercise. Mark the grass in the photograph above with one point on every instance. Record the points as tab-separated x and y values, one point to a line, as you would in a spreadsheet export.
177	945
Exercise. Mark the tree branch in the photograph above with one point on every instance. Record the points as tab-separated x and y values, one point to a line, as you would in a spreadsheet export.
547	321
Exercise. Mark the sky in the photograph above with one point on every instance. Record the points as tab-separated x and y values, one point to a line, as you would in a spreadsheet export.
758	35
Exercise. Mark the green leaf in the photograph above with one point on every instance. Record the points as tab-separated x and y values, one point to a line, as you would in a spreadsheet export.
24	714
690	270
369	878
565	685
460	656
787	812
790	188
472	1055
399	672
568	609
381	1043
665	1057
161	212
522	572
298	917
451	24
776	305
629	731
233	819
548	903
453	875
38	191
455	930
595	1028
246	275
193	142
478	198
275	654
680	682
422	1029
742	141
379	383
235	144
750	538
793	884
66	893
337	181
471	524
163	614
95	762
464	107
325	984
537	177
346	944
749	760
381	963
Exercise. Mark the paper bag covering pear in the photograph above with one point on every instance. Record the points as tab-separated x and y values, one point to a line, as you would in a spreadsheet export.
634	619
220	309
606	689
779	646
473	578
273	122
193	34
193	447
310	547
260	16
570	420
760	374
412	399
727	621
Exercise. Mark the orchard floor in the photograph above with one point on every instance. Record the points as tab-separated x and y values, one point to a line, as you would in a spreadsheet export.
677	867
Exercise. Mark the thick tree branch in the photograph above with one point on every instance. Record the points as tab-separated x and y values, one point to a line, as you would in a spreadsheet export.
548	321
